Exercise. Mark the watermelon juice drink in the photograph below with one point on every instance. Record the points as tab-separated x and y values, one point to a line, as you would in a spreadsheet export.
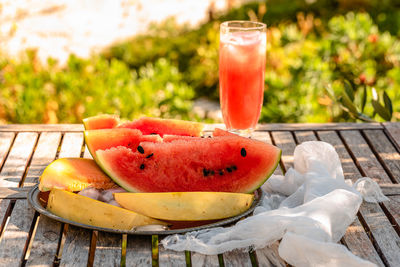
242	54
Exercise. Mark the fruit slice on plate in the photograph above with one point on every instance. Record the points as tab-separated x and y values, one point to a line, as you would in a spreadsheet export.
74	174
92	212
186	206
104	121
148	125
107	138
219	164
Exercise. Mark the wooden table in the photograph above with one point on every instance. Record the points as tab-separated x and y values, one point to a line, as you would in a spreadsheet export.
26	238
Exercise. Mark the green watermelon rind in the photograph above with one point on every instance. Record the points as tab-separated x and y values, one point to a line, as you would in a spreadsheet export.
130	188
112	175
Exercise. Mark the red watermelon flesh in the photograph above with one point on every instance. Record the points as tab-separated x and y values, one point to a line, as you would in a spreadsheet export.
104	121
148	125
107	138
225	164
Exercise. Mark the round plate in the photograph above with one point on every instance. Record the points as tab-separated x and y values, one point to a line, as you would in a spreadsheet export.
33	198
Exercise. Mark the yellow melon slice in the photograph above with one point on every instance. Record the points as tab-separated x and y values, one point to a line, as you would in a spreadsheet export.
186	206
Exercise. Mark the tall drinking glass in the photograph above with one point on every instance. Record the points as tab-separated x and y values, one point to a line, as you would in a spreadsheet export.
242	54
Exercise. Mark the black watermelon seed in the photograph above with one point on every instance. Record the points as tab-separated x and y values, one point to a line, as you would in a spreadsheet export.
149	156
140	149
202	136
153	133
142	166
234	168
229	169
212	172
205	172
243	152
221	172
209	136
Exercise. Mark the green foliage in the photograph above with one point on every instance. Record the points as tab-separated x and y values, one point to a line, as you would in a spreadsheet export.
31	93
323	63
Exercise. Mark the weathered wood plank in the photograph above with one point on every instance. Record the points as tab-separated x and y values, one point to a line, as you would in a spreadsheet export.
4	203
237	258
17	160
305	126
6	140
393	129
304	136
42	128
45	242
73	145
365	157
356	238
108	250
390	189
208	127
285	141
138	251
386	152
44	245
393	206
13	192
15	236
76	247
170	258
44	154
269	256
201	260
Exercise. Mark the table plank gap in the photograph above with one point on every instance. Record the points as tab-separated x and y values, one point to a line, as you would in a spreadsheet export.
237	258
139	251
6	142
17	160
31	234
45	242
378	235
6	207
43	155
108	249
305	136
392	130
356	238
202	260
286	142
71	145
363	157
269	256
392	214
384	151
76	247
92	248
28	165
16	234
170	258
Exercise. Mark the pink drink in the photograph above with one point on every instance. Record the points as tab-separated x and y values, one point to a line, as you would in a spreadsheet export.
241	74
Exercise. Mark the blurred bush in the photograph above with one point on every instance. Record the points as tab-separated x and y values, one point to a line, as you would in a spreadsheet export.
324	64
32	93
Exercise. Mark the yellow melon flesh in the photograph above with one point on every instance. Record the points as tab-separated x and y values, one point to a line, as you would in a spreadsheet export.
74	174
186	206
92	212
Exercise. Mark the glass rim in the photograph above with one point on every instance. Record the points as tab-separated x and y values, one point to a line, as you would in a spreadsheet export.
257	25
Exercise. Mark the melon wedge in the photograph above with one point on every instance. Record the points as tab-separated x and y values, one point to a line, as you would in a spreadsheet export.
88	211
149	125
104	121
74	174
221	164
186	206
107	138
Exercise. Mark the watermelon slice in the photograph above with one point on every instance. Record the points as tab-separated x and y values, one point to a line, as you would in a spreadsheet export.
223	163
107	138
148	125
104	121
